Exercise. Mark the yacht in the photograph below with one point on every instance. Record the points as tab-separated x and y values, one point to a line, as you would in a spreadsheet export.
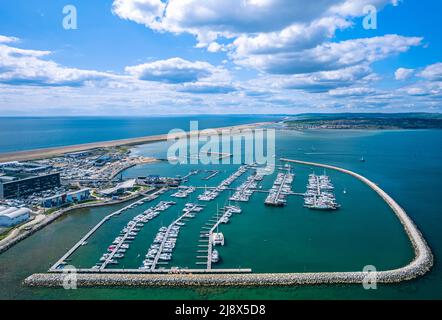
218	238
224	219
215	256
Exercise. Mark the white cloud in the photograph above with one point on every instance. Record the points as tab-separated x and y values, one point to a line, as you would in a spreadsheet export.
352	92
256	27
215	47
330	56
147	12
28	67
6	39
295	37
210	18
208	88
326	80
174	70
403	73
432	72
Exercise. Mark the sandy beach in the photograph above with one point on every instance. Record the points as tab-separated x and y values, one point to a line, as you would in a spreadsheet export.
56	151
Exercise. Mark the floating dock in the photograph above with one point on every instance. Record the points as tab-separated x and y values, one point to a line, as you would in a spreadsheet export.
281	188
212	174
83	240
166	236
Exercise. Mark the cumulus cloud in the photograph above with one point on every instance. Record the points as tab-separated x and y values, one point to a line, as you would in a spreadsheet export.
432	72
147	12
330	55
207	88
352	92
29	67
211	18
256	27
327	80
403	73
174	70
6	39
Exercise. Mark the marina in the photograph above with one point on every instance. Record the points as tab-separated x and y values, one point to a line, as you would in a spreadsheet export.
319	194
213	193
166	238
160	254
212	173
83	241
183	192
280	248
121	243
217	238
277	196
211	238
213	235
245	190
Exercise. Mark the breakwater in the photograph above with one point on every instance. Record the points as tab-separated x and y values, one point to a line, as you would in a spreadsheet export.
421	264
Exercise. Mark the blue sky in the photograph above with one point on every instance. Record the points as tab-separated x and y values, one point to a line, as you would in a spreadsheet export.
144	57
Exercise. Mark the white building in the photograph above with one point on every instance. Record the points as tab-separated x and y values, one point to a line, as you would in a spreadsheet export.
11	216
119	188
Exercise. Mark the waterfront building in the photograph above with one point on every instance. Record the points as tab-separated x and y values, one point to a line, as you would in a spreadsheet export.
65	198
119	188
80	195
11	216
29	185
54	201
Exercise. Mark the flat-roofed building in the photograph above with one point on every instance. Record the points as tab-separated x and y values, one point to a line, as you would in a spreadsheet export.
64	198
54	201
79	195
119	188
29	185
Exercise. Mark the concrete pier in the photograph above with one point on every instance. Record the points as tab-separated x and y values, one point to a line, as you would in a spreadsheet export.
166	236
94	229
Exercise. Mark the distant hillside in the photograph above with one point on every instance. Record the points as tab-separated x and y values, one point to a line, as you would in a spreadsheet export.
365	121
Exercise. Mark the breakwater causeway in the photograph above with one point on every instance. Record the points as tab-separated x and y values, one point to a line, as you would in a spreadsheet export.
421	263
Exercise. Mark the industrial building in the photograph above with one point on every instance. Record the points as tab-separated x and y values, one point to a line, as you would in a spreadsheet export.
25	186
11	216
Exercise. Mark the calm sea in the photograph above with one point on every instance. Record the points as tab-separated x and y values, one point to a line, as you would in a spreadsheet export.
407	164
19	133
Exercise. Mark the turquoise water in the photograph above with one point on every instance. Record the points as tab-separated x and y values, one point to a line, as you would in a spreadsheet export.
404	163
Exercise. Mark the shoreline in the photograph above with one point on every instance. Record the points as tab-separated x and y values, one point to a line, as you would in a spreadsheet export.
36	154
6	244
421	264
